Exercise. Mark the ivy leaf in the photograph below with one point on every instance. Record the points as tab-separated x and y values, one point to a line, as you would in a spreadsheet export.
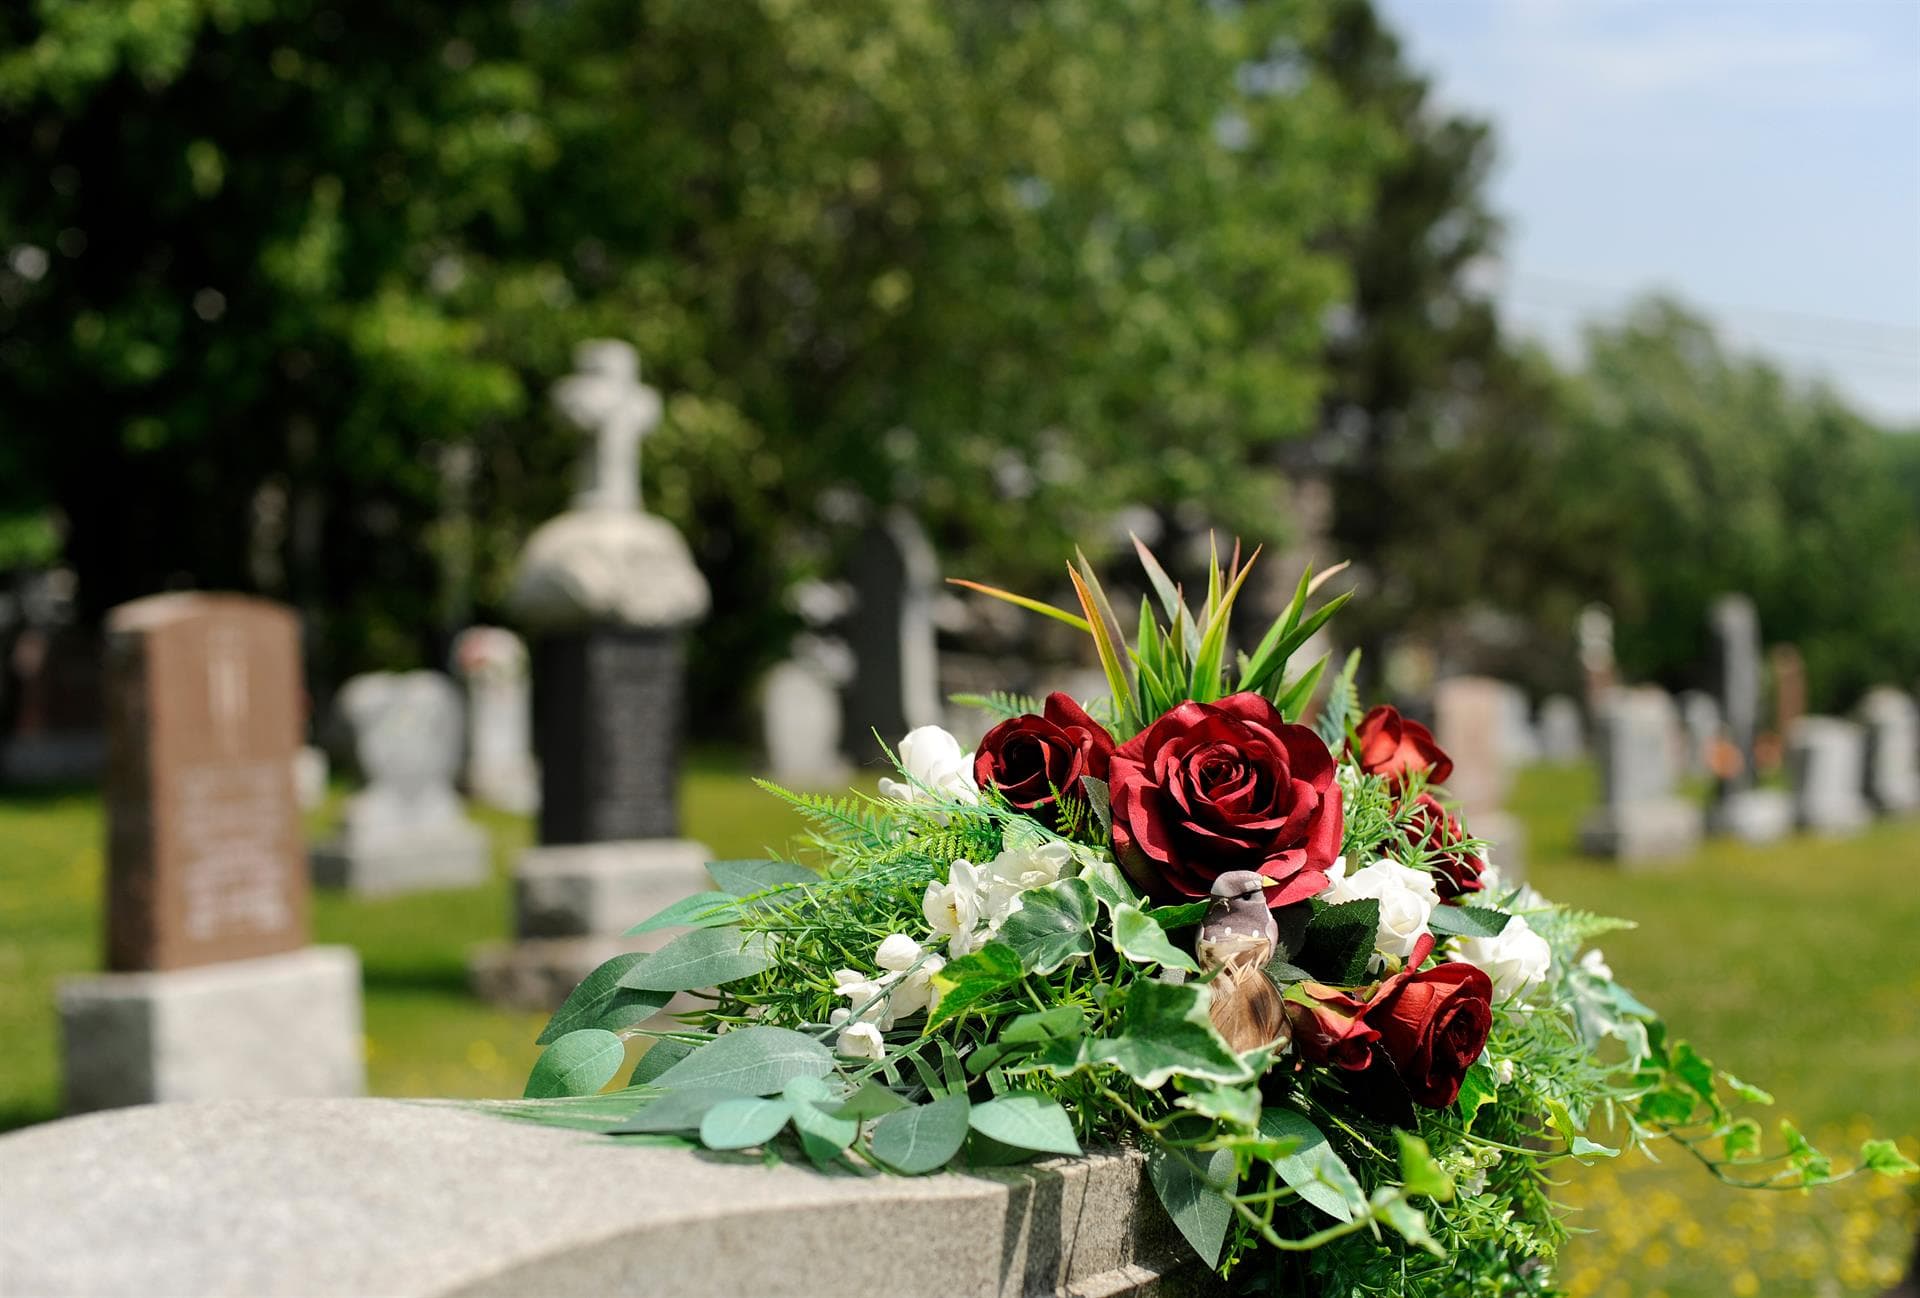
1182	916
743	1122
1418	1170
1477	1090
922	1138
1408	1220
1339	941
1577	1145
601	1002
1196	1201
751	1061
1813	1166
745	878
1741	1139
706	957
1236	1106
1053	925
579	1063
965	982
1108	883
1312	1170
1026	1120
1746	1090
1057	1024
1142	941
1884	1156
1165	1032
1467	921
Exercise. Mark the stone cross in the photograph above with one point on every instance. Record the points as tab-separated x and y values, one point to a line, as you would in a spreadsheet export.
605	397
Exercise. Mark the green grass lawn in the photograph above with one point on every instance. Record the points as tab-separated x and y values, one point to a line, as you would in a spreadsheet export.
1790	966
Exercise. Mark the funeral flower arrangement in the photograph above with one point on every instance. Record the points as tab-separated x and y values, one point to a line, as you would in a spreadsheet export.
1191	918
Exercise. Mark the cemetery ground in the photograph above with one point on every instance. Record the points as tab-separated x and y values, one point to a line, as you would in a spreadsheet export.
1790	965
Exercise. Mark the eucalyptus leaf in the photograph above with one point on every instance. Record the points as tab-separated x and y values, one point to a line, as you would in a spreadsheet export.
922	1138
681	1109
745	878
1026	1120
1195	1197
706	957
871	1100
743	1122
578	1063
601	1002
1142	941
1053	925
1312	1170
701	910
751	1061
663	1054
824	1133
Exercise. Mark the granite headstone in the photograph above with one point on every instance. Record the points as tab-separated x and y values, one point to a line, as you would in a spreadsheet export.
1641	819
500	770
1827	766
1473	723
1563	730
207	895
1740	807
1893	750
894	576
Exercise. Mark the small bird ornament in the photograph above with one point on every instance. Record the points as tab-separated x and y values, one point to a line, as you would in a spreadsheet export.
1237	939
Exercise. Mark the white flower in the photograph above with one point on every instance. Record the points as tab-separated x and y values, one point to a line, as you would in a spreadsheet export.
954	909
1596	964
1503	1072
912	991
865	996
932	757
1517	958
1019	869
1406	896
860	1041
897	953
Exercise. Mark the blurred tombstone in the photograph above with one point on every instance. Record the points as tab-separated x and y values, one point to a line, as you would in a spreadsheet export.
800	713
1519	742
406	830
894	576
1700	718
1562	730
311	770
1893	750
1594	632
1472	723
605	593
1789	673
1640	819
500	770
1740	807
214	991
1827	764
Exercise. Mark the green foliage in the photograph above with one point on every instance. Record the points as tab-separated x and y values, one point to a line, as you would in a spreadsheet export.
703	958
600	1001
922	1138
1052	926
577	1063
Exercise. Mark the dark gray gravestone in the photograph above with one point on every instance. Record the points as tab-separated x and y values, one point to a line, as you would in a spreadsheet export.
607	726
1740	808
895	687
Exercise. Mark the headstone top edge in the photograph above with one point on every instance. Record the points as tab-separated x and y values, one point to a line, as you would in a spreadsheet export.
150	612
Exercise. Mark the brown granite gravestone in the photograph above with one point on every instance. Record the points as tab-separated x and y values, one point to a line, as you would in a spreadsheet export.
205	857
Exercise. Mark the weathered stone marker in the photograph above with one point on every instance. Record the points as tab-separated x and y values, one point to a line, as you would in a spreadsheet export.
406	831
1740	808
1641	820
895	687
1893	750
212	989
1473	721
605	593
1563	731
1827	765
500	769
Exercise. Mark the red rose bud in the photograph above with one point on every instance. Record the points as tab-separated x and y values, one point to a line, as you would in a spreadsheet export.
1033	760
1215	787
1329	1027
1433	1025
1394	747
1456	872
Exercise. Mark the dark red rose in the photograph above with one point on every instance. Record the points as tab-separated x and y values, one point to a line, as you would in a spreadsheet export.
1433	1024
1456	871
1213	787
1329	1027
1395	747
1032	760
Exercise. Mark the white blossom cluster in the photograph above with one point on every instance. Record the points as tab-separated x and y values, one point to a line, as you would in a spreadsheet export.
875	1002
969	908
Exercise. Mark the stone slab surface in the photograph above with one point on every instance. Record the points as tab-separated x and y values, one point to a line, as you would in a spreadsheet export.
447	856
604	889
274	1199
279	1025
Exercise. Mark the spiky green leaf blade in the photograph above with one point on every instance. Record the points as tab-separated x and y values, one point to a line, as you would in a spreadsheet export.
1021	601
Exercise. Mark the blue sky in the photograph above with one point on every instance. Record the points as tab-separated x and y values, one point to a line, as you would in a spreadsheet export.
1760	159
